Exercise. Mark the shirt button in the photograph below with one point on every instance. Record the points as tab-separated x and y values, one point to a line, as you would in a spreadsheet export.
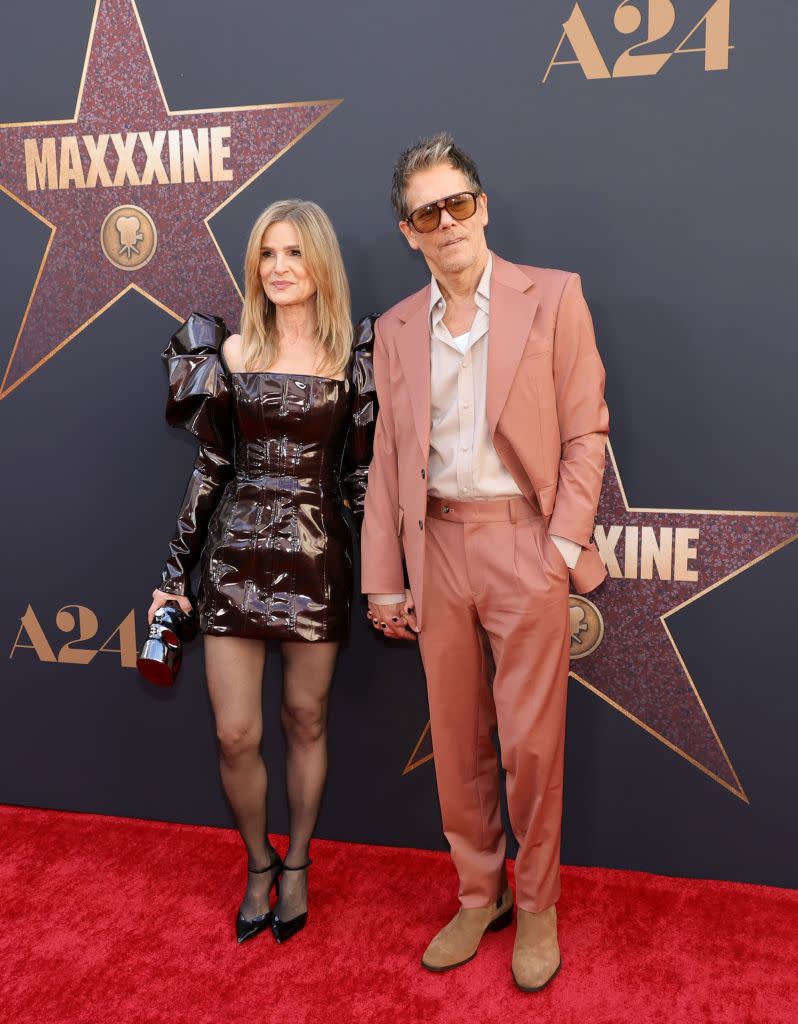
466	405
464	448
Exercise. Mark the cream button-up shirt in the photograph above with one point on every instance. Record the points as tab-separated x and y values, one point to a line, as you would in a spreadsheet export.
463	464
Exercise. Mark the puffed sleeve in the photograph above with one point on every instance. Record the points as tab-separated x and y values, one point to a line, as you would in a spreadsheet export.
200	401
360	439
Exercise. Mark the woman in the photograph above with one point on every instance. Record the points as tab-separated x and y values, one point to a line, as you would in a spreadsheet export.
285	413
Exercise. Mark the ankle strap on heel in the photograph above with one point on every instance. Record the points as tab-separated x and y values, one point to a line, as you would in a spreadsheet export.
277	862
301	867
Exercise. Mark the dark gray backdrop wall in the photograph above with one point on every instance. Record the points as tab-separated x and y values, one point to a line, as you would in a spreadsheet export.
670	193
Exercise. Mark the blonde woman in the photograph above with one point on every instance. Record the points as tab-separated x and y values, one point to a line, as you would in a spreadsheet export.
285	413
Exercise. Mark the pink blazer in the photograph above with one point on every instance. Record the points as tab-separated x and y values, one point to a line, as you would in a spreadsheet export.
546	412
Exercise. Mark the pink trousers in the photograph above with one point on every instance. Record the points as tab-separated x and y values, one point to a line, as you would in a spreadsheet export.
495	643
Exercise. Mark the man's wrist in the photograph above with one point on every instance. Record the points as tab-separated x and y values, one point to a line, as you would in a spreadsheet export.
387	598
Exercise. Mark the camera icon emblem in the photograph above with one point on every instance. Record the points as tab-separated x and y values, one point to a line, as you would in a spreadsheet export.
128	237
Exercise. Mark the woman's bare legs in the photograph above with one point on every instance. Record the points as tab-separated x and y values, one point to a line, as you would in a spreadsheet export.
307	674
234	670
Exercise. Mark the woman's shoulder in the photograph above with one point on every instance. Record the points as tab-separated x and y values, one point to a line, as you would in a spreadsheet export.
199	388
201	334
361	368
230	352
363	333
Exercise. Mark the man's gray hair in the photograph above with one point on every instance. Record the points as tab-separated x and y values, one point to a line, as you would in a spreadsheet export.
431	152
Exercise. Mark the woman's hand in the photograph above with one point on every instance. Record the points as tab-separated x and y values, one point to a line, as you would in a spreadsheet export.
160	598
396	621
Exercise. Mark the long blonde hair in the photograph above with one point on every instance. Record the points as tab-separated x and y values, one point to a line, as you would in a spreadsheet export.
322	256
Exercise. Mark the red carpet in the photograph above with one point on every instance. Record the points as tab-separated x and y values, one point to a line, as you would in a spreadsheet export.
110	921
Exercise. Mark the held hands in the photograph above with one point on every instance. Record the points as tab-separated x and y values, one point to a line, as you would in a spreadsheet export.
395	620
160	598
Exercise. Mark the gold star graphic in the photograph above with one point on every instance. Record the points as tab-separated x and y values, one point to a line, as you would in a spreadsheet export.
128	188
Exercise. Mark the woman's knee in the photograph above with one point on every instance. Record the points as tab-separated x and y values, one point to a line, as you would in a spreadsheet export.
304	725
237	739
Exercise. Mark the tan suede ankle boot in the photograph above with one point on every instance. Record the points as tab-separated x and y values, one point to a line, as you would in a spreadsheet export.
458	942
536	954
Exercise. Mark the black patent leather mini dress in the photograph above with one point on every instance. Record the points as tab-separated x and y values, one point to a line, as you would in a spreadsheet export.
263	512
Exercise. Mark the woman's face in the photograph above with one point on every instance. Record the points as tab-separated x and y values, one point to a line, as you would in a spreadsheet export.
283	273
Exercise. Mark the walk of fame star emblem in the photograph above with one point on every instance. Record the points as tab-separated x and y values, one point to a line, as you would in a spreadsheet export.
128	188
659	561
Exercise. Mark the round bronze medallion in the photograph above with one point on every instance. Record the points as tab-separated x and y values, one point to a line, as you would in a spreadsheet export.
587	626
128	237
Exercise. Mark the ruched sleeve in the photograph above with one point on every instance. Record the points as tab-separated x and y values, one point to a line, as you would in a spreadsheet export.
200	401
360	439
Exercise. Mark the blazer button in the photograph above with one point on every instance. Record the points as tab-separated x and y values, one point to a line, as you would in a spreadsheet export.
423	474
420	525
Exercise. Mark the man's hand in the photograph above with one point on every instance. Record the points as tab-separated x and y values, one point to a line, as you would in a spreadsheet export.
396	621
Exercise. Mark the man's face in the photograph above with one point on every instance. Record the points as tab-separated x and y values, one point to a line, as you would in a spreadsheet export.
454	245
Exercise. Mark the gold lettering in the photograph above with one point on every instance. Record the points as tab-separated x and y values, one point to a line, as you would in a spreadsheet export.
585	48
40	170
630	553
38	641
87	627
70	169
154	166
175	167
219	153
196	155
661	19
684	553
201	155
606	544
653	553
671	552
716	23
97	169
126	630
124	146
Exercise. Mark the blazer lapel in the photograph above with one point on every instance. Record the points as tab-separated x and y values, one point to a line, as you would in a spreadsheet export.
413	345
512	310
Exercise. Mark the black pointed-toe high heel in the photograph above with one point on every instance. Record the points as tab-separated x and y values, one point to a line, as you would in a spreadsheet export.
249	927
284	930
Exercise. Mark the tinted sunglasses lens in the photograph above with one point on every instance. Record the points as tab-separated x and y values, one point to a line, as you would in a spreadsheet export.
426	218
461	206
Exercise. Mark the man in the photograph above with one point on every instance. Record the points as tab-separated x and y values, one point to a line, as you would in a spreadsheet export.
487	469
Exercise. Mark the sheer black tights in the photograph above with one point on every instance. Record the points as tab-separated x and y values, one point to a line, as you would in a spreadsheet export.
234	668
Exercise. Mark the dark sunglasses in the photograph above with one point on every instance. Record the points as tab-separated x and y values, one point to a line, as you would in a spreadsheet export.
460	206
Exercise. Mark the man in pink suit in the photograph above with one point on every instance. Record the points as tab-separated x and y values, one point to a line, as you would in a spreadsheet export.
487	469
